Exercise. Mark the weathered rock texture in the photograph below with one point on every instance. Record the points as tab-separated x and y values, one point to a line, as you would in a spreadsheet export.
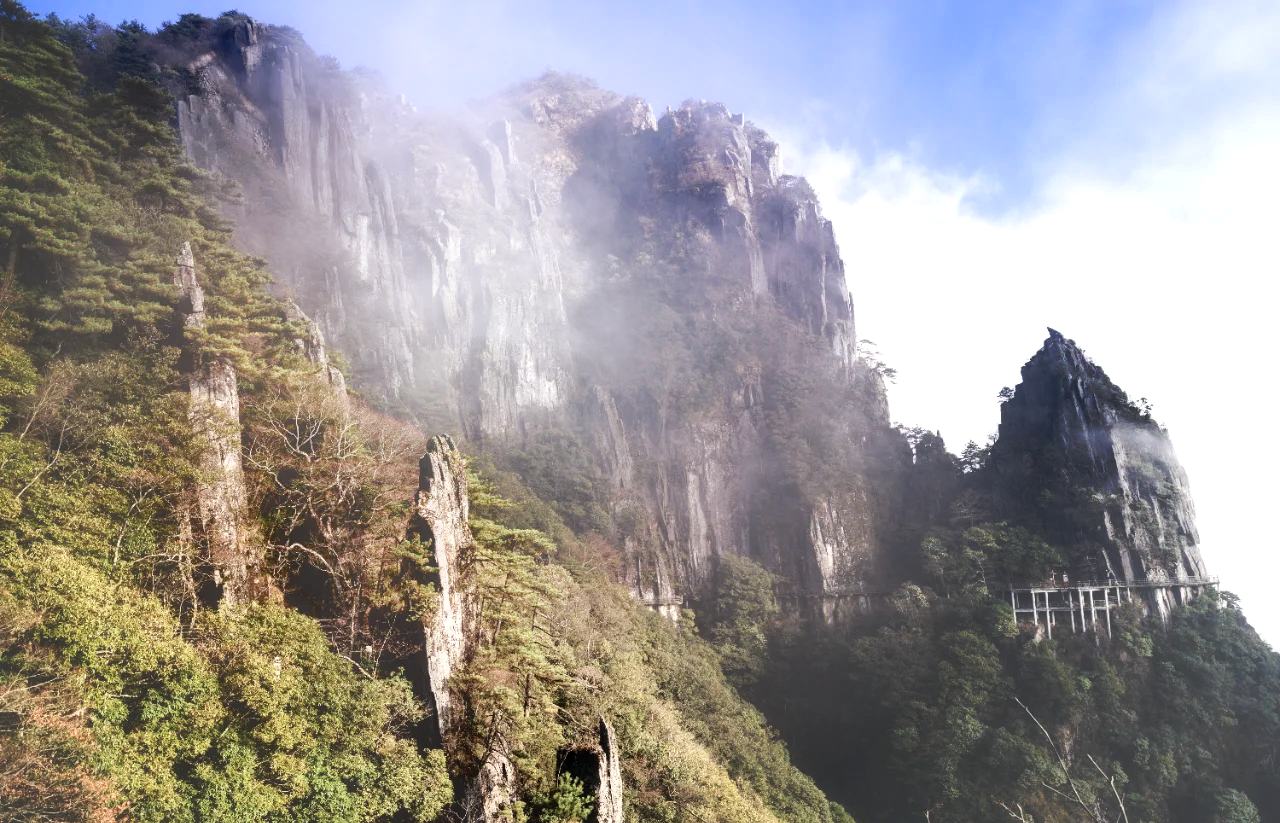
441	511
1117	497
561	257
440	521
491	796
601	775
312	346
233	544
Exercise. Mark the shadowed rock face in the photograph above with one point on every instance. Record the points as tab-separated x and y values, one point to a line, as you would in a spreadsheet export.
560	256
601	775
1097	472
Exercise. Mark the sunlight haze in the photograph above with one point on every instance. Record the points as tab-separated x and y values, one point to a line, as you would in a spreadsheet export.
1108	169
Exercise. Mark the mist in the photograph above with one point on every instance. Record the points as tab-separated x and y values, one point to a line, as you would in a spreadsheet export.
1124	242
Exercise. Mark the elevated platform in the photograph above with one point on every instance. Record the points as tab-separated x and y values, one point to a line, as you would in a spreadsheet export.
1086	606
654	602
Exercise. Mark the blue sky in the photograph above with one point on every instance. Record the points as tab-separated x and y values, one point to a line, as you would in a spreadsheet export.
1105	167
978	84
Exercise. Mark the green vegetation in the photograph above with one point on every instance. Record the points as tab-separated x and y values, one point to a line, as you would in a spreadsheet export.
573	647
928	692
569	803
126	690
146	703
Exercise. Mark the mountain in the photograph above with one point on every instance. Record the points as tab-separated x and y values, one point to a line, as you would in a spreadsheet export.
559	258
521	463
1118	498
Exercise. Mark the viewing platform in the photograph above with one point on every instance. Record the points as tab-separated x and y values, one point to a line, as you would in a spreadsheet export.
1085	605
655	602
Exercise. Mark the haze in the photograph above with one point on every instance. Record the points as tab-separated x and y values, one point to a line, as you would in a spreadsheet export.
1105	168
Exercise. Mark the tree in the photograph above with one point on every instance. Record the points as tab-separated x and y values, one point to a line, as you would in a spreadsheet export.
974	457
870	357
569	803
1235	807
742	607
331	476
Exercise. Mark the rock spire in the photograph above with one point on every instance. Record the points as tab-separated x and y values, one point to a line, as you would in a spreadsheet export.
221	511
1099	474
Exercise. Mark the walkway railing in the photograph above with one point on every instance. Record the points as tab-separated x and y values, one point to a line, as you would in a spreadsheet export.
1114	583
677	600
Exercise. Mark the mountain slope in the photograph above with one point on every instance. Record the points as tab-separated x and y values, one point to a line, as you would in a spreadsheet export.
230	589
215	600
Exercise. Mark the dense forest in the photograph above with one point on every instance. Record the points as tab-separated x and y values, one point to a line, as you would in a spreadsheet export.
144	676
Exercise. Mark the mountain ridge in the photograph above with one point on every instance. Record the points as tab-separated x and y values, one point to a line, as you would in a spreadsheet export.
640	331
490	257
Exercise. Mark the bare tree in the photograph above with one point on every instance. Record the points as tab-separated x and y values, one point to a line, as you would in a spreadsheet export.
1092	806
336	477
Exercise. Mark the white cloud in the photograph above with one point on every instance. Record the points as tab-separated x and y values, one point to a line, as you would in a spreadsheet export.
1163	270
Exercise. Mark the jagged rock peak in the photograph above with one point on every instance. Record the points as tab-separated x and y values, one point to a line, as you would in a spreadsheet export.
559	101
243	43
1063	370
1070	432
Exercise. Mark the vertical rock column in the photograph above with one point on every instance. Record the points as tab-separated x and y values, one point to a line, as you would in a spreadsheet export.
440	519
221	501
312	347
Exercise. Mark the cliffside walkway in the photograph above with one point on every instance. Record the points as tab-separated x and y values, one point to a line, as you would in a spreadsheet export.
1082	602
654	602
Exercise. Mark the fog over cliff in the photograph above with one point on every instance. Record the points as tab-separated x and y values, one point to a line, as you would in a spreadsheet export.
559	273
1108	152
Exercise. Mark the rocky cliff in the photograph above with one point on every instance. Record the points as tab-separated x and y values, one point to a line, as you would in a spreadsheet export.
560	256
1092	467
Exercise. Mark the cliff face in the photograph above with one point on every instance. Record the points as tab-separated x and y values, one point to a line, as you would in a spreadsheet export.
560	256
1100	475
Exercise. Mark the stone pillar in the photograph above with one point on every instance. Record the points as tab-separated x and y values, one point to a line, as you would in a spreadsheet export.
234	545
440	522
600	771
